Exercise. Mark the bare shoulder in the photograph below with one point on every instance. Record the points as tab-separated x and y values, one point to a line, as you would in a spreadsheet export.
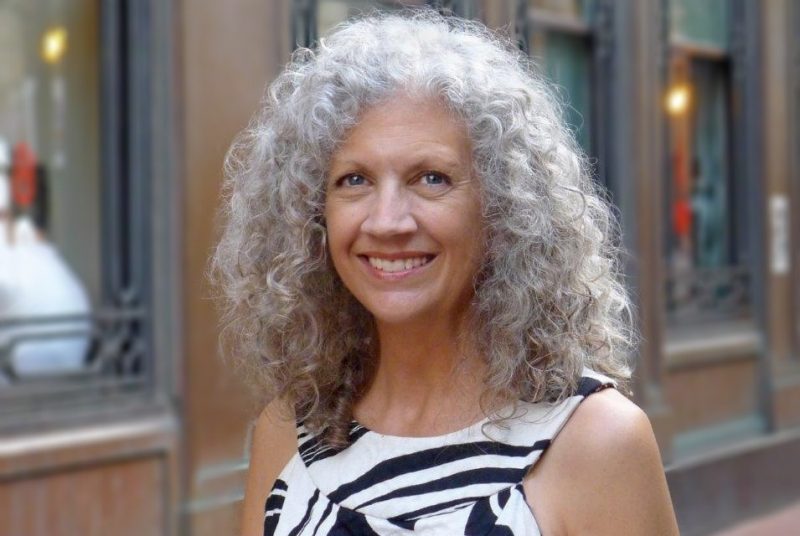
274	442
603	473
608	427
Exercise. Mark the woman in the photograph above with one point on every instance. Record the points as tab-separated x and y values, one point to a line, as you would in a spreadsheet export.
420	280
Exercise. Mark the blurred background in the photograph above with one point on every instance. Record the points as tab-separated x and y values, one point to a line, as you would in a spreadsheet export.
117	414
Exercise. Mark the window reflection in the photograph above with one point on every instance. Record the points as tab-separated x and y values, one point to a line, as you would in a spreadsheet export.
569	8
703	23
49	185
561	40
706	254
566	60
331	12
710	173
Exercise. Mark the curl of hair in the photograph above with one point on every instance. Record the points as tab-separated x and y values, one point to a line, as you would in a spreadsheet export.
548	297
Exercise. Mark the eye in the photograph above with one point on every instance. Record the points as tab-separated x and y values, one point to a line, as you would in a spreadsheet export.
431	178
353	179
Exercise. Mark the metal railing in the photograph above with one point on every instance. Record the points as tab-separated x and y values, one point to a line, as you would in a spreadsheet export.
708	294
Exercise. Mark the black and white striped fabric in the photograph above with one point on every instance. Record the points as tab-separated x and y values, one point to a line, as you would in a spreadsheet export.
466	482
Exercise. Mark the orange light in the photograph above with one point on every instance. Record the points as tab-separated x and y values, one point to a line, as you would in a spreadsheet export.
678	98
54	44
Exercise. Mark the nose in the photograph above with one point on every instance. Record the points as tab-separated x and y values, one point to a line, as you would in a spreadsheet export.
389	212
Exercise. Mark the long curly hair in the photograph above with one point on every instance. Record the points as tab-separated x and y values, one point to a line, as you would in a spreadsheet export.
548	297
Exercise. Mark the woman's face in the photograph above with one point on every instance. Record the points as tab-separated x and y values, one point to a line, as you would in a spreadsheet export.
403	212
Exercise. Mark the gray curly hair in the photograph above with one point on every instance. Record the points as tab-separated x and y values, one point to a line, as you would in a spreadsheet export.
548	297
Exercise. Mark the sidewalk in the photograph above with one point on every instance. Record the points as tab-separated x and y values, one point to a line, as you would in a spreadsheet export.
784	522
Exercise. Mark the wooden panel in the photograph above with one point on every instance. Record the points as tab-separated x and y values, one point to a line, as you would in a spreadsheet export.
119	499
230	52
228	56
497	14
780	148
80	480
712	394
786	400
775	83
643	217
216	521
54	450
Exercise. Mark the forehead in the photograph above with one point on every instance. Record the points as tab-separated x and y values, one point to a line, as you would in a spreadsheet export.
413	125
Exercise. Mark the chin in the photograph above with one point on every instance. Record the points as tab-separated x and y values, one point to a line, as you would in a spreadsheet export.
395	318
385	314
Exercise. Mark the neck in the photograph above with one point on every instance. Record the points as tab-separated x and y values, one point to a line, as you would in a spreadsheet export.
428	379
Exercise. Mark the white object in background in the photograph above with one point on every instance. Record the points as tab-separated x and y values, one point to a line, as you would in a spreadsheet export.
781	246
44	286
36	283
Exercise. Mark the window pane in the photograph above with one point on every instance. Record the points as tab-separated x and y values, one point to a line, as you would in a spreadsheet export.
708	277
49	185
710	174
578	9
702	22
332	12
566	60
707	273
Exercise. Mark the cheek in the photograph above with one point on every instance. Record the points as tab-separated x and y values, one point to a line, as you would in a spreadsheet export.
334	223
339	239
335	245
474	232
476	252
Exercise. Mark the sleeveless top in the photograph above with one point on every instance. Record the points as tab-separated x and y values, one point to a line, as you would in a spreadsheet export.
466	482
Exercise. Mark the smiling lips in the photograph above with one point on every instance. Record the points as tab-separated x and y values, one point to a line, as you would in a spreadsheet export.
398	265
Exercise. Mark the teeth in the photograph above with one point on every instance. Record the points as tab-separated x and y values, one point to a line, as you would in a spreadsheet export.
397	265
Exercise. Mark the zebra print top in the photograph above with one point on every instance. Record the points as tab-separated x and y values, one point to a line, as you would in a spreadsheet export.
466	482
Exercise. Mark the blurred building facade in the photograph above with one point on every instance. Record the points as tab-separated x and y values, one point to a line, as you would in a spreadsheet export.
116	116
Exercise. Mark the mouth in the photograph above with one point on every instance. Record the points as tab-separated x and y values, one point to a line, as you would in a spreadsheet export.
398	265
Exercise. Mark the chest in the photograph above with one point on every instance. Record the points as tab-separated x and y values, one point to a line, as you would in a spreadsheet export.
463	483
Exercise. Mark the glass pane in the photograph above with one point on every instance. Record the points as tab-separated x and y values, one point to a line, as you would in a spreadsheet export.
567	60
332	12
578	9
50	269
710	174
704	253
703	22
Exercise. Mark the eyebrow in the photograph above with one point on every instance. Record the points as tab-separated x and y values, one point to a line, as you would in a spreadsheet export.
434	160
